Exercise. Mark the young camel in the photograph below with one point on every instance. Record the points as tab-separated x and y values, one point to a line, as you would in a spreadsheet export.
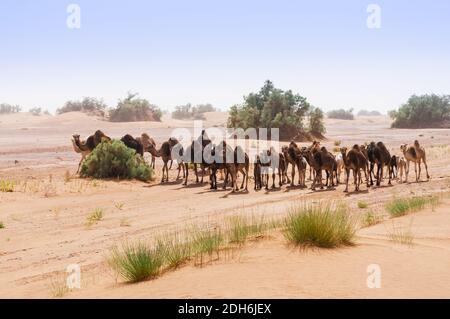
81	148
356	161
146	141
401	168
165	152
415	154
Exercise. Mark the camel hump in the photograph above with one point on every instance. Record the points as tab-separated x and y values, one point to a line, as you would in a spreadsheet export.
416	144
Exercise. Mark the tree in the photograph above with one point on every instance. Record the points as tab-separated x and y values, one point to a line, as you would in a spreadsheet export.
422	111
316	125
132	109
341	114
271	108
6	108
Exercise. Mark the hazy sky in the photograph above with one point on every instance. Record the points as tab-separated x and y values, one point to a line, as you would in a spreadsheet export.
174	52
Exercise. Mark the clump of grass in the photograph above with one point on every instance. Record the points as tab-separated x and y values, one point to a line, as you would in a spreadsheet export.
206	242
319	225
403	206
370	219
362	204
58	287
337	143
67	176
2	225
94	217
124	223
6	186
136	262
402	236
175	250
240	228
118	205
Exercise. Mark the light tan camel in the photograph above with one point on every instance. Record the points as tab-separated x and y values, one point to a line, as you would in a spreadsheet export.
80	148
414	154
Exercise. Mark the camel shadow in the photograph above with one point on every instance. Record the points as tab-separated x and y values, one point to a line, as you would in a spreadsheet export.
272	190
294	187
240	192
193	185
348	194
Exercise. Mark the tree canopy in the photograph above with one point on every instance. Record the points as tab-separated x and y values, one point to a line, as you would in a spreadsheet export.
271	108
421	111
132	109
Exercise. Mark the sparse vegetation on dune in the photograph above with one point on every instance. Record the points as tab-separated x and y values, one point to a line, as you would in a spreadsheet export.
402	235
321	225
94	217
362	204
370	218
403	206
88	105
6	186
192	112
341	114
2	225
132	109
6	108
368	113
115	160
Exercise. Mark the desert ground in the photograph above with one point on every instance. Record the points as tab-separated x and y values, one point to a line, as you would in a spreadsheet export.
44	220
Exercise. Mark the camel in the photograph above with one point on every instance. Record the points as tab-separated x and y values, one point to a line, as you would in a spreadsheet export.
165	152
340	167
177	154
356	161
146	141
416	154
272	161
194	154
133	143
239	163
80	147
401	168
257	173
86	147
379	155
292	155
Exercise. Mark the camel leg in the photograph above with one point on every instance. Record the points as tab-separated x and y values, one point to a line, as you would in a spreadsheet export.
415	170
407	171
420	169
153	162
426	167
293	175
171	162
347	173
196	173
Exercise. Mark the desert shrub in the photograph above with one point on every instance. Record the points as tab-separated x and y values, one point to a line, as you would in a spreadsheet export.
88	105
423	111
175	250
115	160
192	112
136	262
132	109
341	114
94	217
2	225
6	108
368	113
36	111
271	108
319	225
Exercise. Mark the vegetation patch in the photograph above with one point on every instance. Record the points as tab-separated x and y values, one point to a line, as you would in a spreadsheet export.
320	225
136	262
2	225
403	206
341	114
94	217
132	109
115	160
88	105
423	111
370	219
6	186
183	112
362	204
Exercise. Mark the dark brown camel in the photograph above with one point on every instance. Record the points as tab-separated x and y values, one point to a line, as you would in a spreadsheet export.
356	161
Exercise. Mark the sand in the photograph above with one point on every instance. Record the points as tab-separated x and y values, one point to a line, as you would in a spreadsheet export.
45	221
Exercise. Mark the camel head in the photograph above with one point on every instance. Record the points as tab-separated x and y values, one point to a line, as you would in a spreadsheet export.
356	147
403	148
416	144
100	136
76	137
284	149
343	150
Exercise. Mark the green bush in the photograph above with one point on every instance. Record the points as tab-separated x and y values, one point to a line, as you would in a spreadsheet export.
132	109
115	160
368	113
423	111
271	108
341	114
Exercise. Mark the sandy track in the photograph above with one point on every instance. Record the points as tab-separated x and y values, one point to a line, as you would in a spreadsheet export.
45	219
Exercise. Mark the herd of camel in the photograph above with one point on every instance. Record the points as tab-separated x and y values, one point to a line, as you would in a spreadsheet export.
373	160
